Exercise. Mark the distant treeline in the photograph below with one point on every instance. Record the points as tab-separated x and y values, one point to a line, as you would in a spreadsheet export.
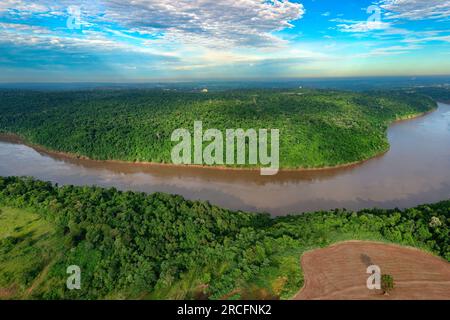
133	245
317	127
440	93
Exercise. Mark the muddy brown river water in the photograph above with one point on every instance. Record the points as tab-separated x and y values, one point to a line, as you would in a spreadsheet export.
416	170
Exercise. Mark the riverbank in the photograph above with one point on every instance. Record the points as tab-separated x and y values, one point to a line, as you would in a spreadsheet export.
127	228
14	138
320	130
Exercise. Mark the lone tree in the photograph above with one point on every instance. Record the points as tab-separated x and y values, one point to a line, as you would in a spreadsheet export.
387	283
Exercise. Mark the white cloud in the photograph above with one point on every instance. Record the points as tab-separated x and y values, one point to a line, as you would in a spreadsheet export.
225	22
383	28
21	5
25	9
83	47
28	36
389	51
244	23
364	26
17	27
439	38
416	9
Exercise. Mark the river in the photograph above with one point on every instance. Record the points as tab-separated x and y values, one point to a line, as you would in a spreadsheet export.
415	170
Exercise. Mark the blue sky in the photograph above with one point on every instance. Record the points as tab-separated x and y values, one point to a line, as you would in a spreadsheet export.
164	40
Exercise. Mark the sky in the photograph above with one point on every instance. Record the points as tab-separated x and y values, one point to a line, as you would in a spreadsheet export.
167	40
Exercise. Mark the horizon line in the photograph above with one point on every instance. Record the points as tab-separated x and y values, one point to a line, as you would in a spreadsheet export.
412	77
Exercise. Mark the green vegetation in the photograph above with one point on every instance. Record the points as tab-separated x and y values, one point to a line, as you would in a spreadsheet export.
28	245
387	283
133	245
318	128
438	93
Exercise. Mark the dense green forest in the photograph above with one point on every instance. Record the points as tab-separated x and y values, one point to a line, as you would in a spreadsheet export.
438	93
317	127
133	245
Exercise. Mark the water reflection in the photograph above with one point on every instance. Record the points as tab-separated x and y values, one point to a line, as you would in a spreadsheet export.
414	171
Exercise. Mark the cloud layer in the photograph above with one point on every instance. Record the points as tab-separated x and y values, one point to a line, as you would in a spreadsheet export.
230	22
417	9
246	23
141	39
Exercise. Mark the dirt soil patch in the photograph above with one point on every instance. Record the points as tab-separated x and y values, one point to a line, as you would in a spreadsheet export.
339	272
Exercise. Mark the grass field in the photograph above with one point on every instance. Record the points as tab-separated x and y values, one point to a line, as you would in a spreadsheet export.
28	245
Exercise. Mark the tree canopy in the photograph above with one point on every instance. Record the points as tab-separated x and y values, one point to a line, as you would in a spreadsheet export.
134	245
318	128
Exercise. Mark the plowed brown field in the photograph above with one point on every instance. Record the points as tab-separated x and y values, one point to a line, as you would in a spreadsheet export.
339	272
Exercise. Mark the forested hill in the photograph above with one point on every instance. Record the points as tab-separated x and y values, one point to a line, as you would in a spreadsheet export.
317	127
133	245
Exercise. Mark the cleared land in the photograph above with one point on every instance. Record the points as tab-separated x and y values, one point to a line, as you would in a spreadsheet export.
339	272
